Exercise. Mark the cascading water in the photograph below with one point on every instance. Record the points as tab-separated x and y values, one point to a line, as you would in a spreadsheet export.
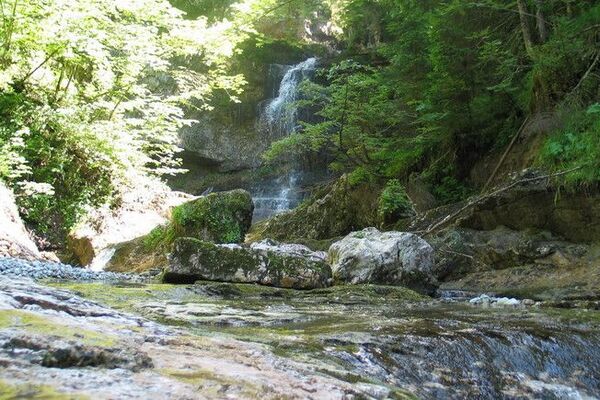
279	118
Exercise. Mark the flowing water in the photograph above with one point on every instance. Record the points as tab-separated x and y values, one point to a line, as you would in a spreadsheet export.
279	118
280	115
389	344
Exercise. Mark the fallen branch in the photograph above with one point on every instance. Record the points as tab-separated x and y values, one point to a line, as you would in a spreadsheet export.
433	227
503	158
457	253
587	73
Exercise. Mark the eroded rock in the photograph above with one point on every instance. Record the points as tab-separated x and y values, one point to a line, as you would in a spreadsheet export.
389	258
193	260
62	346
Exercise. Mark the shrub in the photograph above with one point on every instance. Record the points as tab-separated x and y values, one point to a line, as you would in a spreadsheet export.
394	203
577	145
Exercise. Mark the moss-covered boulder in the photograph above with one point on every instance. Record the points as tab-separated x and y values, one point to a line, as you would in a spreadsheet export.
219	217
193	260
223	217
332	212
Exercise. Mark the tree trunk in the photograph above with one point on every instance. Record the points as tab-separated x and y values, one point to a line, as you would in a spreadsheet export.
523	14
541	21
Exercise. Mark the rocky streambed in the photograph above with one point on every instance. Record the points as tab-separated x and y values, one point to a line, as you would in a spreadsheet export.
130	340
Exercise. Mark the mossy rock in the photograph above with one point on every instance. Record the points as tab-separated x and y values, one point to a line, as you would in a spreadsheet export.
332	212
219	217
138	255
223	217
193	260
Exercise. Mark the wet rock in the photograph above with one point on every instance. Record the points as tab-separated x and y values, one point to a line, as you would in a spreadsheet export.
14	238
486	300
390	258
63	354
193	260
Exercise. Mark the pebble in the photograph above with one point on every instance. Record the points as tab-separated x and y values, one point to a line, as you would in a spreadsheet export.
51	270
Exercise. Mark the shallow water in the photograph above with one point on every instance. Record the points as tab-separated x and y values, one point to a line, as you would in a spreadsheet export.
375	336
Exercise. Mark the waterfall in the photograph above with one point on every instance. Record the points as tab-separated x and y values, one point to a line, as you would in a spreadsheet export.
280	115
279	118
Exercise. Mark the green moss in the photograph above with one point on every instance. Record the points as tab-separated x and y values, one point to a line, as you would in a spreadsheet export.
159	238
35	324
218	217
211	382
33	392
122	297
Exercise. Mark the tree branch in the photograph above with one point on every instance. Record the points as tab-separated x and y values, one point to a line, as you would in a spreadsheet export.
587	73
435	226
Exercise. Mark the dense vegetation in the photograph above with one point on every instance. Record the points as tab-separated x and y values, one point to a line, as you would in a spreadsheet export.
93	93
92	96
433	86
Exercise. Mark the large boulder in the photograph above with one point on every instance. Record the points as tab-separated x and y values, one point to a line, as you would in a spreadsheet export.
222	217
388	258
14	238
193	260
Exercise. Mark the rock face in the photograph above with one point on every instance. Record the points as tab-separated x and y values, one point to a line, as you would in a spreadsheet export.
231	145
461	251
56	345
333	212
14	239
574	216
526	264
193	260
389	258
142	209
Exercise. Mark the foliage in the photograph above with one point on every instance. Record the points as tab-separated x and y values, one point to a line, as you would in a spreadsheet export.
92	93
433	86
576	145
394	203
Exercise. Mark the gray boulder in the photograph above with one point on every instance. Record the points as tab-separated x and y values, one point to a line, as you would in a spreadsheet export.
193	260
388	258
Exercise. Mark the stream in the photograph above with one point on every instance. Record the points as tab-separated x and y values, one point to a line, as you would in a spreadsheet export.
386	342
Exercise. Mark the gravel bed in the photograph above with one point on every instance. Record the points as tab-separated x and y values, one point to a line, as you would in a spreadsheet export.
51	270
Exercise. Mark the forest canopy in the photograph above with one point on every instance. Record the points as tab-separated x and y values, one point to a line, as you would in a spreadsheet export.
93	93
